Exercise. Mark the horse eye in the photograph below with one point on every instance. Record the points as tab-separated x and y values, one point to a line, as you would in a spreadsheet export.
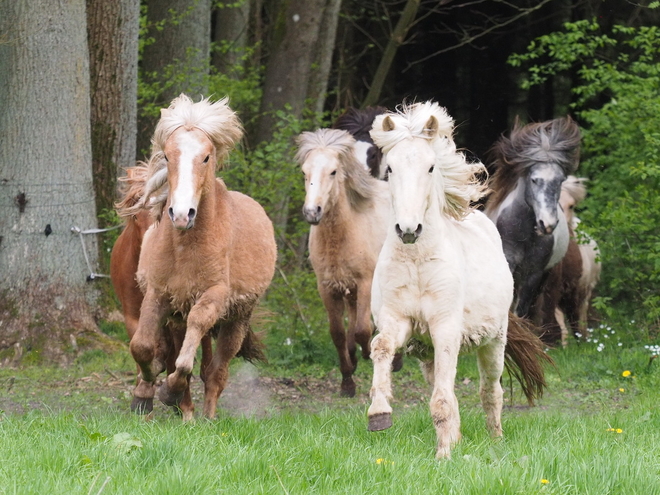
333	173
388	170
165	156
206	160
431	169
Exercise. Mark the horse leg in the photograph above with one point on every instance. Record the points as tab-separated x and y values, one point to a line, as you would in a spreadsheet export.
364	329
351	306
149	350
186	406
394	332
334	306
230	339
490	359
444	405
203	315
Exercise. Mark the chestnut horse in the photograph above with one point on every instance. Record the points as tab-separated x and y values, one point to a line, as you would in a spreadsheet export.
207	266
347	209
123	268
442	283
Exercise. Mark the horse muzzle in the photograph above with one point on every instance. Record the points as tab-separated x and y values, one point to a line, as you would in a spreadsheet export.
545	228
408	236
312	214
182	222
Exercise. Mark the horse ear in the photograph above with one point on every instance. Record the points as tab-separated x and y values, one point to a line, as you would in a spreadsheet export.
388	124
431	127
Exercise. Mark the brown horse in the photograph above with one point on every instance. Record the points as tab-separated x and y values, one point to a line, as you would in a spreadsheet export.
123	267
347	209
207	266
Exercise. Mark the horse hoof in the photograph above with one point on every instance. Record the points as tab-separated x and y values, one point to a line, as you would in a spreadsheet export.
397	362
380	421
347	390
168	397
142	406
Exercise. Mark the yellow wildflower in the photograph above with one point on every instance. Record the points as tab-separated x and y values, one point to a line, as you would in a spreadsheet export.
383	461
625	374
544	481
615	430
622	390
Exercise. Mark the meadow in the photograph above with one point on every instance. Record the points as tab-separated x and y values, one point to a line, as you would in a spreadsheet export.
286	430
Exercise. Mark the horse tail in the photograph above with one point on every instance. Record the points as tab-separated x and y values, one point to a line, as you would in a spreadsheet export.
525	357
252	348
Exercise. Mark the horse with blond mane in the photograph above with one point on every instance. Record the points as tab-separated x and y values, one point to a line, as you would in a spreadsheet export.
207	264
442	283
347	209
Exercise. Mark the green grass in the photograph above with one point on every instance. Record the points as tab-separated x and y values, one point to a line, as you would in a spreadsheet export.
595	432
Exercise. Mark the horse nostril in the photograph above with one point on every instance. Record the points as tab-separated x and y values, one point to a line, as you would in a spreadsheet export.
418	230
398	230
170	212
192	212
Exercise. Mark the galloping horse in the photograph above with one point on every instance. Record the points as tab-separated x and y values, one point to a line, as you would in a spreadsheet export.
529	168
347	209
442	278
207	264
124	260
573	191
358	122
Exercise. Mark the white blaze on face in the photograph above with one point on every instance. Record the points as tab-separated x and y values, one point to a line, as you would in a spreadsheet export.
185	197
361	152
318	170
546	185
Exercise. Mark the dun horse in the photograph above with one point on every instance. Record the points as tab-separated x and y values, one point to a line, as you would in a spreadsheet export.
358	122
529	168
347	209
207	264
442	282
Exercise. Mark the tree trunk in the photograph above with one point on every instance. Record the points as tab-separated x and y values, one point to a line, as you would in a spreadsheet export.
231	22
112	29
397	39
45	177
176	59
325	47
290	62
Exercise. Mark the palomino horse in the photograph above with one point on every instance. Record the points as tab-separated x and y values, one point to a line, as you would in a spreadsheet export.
358	122
123	267
529	168
442	278
347	209
573	191
208	264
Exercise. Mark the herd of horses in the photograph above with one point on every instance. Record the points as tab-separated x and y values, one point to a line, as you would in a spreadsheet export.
399	240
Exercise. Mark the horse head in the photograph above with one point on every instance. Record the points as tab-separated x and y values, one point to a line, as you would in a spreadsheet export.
543	187
424	167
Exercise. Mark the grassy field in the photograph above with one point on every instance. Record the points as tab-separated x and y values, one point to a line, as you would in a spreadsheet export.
597	431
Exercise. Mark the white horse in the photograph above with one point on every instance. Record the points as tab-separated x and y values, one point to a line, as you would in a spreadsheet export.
442	278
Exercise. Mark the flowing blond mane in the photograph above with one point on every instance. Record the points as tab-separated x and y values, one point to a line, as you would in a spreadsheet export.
148	183
457	185
575	187
358	181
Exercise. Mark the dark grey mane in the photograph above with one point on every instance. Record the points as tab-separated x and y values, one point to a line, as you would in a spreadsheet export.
553	141
358	122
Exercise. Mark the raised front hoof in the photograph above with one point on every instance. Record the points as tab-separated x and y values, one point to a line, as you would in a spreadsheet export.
142	406
397	362
380	421
347	389
169	397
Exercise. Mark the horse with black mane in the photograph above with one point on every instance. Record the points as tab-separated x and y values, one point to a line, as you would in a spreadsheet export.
358	123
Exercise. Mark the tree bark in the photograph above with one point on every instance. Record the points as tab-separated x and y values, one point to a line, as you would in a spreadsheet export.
290	62
112	29
231	35
176	58
397	39
45	177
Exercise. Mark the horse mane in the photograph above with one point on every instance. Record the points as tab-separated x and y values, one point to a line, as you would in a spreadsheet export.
556	141
147	186
457	185
358	181
575	187
358	121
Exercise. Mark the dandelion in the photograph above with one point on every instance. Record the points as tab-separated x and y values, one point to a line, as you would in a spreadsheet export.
622	390
615	430
544	481
625	374
383	461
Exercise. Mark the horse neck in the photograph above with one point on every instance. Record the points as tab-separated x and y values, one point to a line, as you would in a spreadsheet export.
338	214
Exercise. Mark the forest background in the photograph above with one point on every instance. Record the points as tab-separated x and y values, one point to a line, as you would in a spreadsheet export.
82	84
